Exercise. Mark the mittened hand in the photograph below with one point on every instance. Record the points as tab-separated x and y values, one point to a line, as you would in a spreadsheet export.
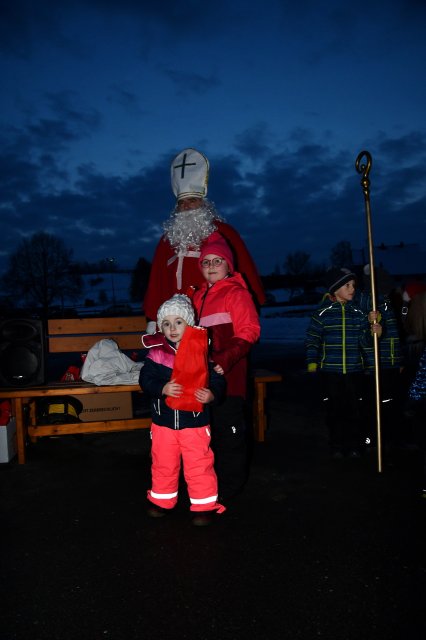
151	327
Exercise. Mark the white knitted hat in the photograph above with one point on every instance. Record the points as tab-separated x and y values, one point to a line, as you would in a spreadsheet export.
189	174
178	305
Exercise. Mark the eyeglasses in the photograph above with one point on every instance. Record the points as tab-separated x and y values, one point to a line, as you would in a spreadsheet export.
215	262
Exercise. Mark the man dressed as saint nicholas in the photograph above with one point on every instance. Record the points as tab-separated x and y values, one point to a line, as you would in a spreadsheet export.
175	266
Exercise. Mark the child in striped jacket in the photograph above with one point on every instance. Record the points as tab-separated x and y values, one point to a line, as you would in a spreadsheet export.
337	337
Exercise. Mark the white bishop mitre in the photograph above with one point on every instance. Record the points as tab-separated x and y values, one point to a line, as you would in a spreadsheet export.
189	174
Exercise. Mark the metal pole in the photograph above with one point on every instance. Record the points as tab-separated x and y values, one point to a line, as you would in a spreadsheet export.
111	261
364	169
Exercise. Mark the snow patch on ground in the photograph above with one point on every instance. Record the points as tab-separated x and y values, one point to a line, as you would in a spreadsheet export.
283	327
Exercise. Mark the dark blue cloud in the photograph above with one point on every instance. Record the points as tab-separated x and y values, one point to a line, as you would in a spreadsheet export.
129	100
99	97
255	143
191	83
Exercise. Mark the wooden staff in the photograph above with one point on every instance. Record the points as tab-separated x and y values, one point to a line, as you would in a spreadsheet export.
364	169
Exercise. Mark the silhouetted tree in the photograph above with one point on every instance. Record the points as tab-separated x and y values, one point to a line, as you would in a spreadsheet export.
341	254
140	277
296	263
41	272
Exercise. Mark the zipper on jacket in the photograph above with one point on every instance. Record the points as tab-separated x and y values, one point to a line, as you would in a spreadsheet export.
203	299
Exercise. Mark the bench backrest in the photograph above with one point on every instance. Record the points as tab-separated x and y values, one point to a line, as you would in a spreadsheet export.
80	334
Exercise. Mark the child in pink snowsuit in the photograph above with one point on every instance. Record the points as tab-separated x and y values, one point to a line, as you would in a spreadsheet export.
181	434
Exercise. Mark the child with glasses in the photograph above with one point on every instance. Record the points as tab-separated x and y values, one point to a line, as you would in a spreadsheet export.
225	307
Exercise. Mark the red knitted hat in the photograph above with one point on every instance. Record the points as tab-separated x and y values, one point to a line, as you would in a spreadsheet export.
216	245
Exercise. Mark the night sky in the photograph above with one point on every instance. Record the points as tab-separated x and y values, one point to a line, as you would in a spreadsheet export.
97	97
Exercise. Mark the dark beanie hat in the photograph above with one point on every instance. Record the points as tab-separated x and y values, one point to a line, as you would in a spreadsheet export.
336	278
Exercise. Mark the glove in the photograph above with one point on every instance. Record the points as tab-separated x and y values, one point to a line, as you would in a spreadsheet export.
151	327
312	367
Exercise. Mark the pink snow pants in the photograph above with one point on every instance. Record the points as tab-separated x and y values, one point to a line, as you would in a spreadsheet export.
192	445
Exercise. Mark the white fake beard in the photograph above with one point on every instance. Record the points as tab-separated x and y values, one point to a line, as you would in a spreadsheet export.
188	229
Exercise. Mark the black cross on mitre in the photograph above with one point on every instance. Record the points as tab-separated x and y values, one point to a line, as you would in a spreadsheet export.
183	165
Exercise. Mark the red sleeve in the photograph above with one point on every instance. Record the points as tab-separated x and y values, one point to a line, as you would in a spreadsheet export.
244	262
245	318
246	326
157	292
236	350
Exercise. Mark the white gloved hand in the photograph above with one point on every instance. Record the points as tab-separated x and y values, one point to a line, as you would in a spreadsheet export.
151	327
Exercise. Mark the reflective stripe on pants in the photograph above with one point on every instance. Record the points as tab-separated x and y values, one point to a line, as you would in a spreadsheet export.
192	445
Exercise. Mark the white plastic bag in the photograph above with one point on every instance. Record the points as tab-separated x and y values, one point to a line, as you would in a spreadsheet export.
105	364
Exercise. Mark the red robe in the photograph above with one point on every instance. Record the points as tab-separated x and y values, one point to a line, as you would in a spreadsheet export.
172	274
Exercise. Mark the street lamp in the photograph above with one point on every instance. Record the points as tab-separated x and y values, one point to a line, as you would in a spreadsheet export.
111	262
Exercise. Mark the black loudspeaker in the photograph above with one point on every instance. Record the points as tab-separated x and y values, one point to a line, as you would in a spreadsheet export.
22	352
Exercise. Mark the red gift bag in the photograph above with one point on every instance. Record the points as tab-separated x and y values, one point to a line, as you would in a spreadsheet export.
190	369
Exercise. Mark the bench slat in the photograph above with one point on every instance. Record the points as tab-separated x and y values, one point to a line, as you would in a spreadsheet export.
71	335
70	344
104	426
261	375
67	388
72	326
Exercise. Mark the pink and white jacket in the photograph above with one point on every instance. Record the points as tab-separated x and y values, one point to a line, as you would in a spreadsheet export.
227	310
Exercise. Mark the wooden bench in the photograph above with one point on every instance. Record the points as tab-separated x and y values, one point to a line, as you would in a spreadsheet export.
261	377
66	336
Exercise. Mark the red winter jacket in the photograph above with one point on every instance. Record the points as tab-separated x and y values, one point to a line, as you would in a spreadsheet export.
172	274
228	311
